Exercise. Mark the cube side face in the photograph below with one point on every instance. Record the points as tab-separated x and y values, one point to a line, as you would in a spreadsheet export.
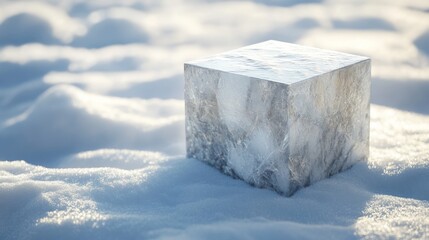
329	123
239	125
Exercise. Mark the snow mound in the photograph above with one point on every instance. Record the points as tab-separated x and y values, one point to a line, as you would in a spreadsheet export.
100	34
25	28
116	158
55	17
80	121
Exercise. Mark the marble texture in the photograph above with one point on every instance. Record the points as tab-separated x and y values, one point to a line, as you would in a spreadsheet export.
278	115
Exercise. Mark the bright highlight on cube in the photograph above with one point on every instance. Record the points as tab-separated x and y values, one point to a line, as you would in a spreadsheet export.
278	115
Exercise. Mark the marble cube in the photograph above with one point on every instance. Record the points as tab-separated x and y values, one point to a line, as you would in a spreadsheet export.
278	115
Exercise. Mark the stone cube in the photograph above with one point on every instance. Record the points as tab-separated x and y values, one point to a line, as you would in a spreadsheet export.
278	115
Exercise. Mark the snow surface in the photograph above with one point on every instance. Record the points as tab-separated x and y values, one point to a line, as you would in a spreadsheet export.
92	121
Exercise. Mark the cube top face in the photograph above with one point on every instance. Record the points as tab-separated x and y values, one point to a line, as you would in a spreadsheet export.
278	61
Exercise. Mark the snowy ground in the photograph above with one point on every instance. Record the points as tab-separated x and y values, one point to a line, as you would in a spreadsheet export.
92	121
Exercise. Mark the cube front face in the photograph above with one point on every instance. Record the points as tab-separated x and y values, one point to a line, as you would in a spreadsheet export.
276	135
239	125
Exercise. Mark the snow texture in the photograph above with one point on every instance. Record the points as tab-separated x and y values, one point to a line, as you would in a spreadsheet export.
300	114
92	128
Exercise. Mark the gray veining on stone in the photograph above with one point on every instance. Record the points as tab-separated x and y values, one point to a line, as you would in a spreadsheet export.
278	61
285	134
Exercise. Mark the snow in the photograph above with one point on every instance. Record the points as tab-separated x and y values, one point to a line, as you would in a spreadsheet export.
92	130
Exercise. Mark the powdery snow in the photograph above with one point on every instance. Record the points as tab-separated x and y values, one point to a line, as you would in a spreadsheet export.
161	197
92	121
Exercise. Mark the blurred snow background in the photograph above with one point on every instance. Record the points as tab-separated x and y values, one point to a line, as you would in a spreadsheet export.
92	121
